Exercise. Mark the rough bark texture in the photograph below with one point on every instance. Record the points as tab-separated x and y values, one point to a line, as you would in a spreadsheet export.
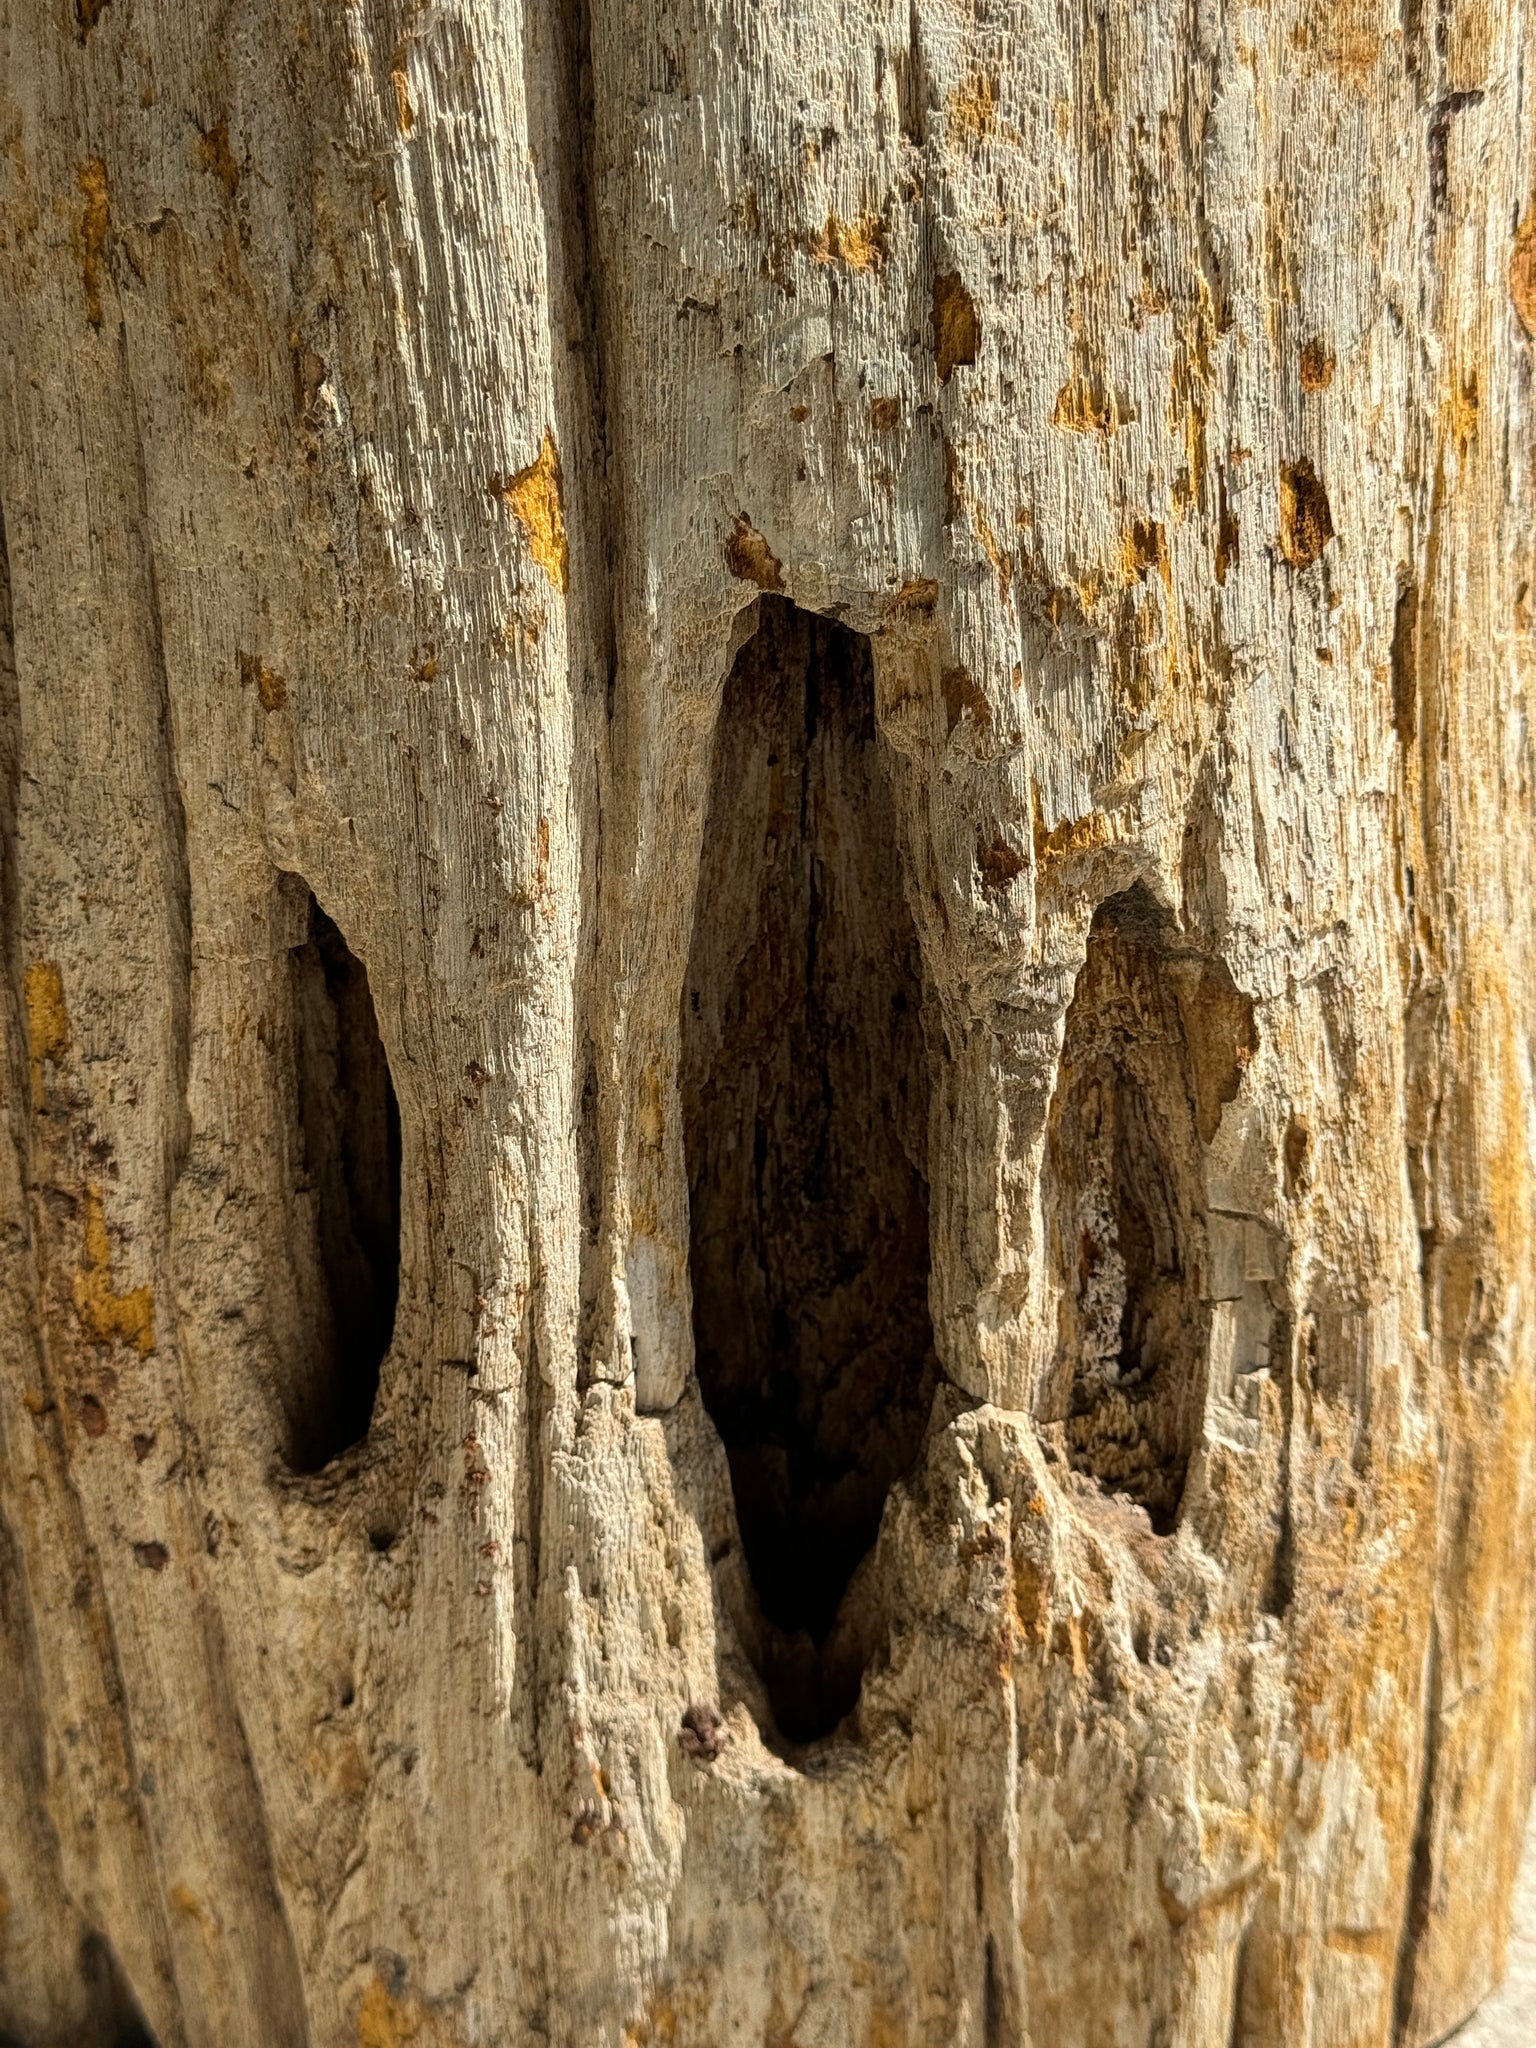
766	869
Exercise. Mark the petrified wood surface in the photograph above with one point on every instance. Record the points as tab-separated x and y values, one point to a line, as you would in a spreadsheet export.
766	874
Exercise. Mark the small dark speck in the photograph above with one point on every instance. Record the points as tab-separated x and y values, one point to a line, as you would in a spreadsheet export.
703	1734
588	1822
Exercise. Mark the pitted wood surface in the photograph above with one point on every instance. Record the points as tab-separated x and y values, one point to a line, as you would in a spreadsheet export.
407	415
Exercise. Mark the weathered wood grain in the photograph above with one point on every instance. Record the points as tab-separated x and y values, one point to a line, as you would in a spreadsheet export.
409	411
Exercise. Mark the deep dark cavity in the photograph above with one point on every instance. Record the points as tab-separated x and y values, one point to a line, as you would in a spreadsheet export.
805	1102
1157	1040
347	1203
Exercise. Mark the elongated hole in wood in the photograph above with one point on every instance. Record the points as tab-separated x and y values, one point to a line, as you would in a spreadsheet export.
347	1202
1157	1040
805	1100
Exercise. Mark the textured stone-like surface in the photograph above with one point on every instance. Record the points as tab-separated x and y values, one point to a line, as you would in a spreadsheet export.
408	414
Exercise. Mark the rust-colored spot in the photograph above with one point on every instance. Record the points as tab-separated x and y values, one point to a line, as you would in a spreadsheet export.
154	1557
956	326
385	2020
962	693
405	113
536	497
1086	405
91	177
884	414
972	109
1522	273
93	1417
1001	562
750	559
106	1317
1344	35
183	1898
1144	547
1461	411
859	243
88	13
1000	865
42	991
1317	365
917	594
1067	836
215	156
1306	522
270	687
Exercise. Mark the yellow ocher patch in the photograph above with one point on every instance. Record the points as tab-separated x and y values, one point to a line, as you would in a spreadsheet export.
47	1023
535	495
91	177
109	1318
384	2021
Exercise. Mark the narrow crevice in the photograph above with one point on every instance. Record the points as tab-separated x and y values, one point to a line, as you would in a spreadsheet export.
177	890
912	83
586	264
1157	1040
536	1409
1280	1583
563	92
805	1105
1421	1866
563	89
590	1193
1405	665
347	1202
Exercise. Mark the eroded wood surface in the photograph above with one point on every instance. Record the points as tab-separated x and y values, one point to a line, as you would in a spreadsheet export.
407	413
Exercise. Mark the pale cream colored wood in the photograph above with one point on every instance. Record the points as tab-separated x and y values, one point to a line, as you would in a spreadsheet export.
410	412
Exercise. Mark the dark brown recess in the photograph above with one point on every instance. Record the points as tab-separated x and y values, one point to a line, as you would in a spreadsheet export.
805	1101
1157	1041
347	1202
